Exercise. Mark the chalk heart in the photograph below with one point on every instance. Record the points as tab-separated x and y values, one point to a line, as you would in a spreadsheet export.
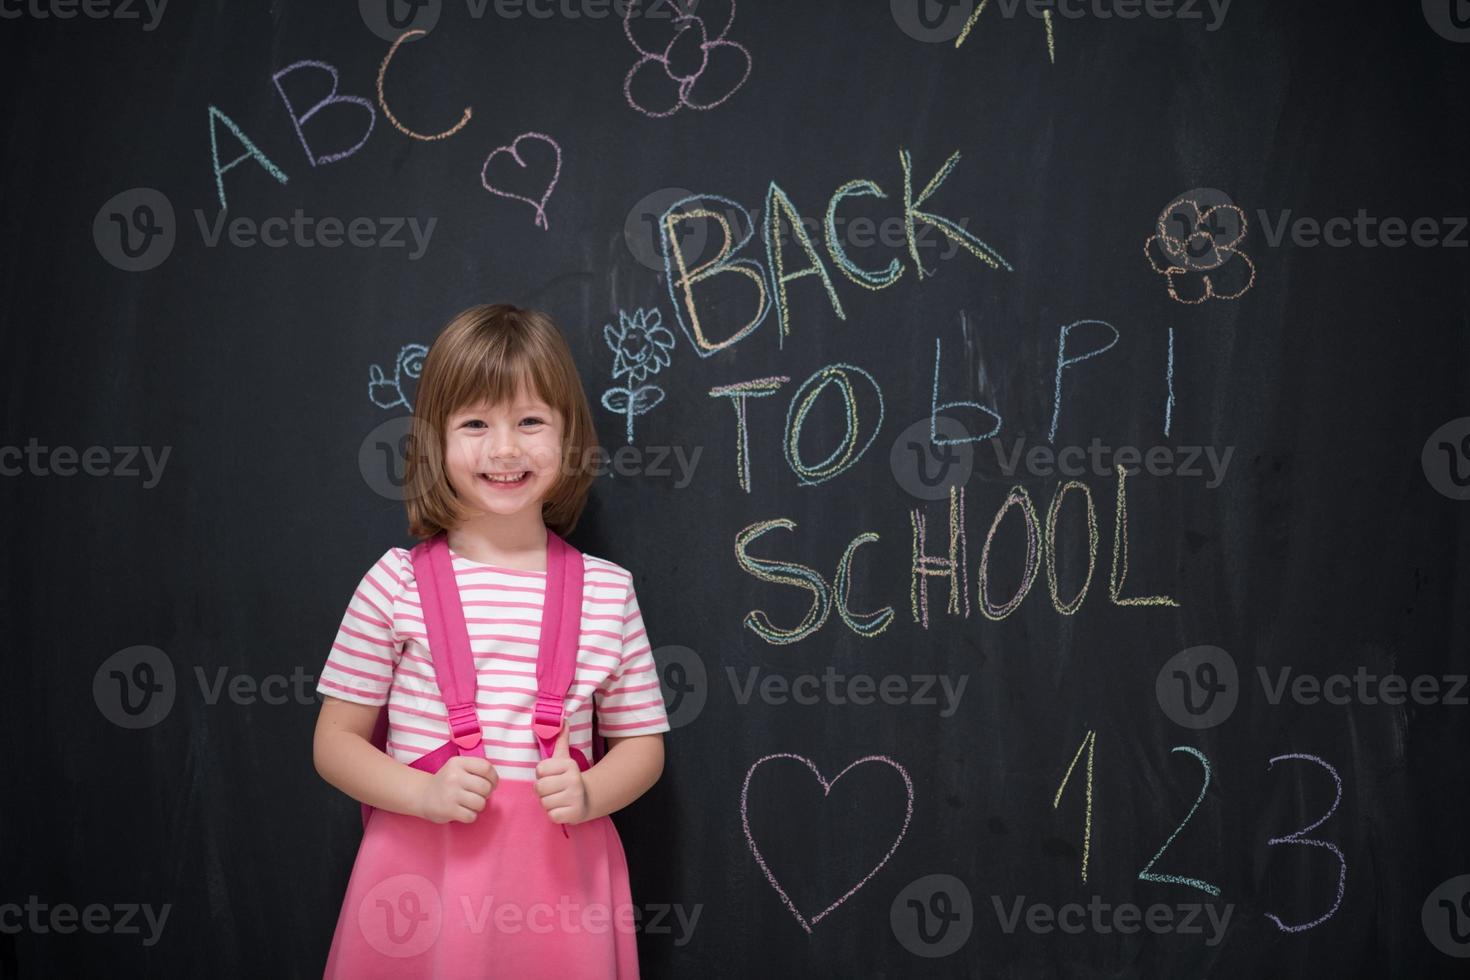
826	792
513	151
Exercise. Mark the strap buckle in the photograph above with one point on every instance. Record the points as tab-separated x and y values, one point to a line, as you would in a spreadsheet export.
546	717
464	726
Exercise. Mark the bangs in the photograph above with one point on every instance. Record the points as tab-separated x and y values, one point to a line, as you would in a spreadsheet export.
493	368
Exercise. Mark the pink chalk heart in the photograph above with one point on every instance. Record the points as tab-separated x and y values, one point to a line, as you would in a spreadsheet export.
826	791
514	153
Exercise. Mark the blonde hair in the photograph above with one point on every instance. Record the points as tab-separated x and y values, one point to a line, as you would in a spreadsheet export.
484	355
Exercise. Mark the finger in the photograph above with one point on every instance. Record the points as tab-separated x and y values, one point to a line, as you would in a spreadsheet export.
563	741
547	768
472	800
478	785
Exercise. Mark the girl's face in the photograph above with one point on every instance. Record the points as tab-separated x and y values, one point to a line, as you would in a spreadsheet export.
502	459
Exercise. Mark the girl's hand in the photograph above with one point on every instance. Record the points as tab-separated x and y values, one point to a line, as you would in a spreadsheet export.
459	790
559	783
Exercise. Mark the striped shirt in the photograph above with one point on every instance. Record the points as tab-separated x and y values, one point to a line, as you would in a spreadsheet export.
381	656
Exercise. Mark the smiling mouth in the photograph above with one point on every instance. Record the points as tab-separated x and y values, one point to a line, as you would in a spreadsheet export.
503	481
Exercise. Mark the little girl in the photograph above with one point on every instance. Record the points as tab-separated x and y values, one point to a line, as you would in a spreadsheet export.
507	865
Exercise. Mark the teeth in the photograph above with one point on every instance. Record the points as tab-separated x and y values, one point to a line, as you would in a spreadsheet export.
502	479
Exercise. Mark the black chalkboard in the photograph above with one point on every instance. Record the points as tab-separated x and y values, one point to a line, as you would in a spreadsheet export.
918	730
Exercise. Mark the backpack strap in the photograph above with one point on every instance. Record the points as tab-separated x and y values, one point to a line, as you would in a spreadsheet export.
561	630
449	641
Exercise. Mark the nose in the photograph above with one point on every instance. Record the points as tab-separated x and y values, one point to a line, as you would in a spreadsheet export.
506	446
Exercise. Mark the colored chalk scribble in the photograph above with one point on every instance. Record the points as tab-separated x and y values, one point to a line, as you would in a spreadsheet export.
682	62
1051	39
640	345
1194	249
464	118
388	392
826	792
515	154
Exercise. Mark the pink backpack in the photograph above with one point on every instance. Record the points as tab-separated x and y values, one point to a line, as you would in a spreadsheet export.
454	666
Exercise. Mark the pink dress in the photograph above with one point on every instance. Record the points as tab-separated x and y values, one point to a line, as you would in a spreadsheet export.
508	895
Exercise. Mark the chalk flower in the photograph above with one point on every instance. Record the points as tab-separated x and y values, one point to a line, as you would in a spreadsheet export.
641	344
1195	251
687	69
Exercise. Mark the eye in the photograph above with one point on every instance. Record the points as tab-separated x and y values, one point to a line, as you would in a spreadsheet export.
532	419
471	423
